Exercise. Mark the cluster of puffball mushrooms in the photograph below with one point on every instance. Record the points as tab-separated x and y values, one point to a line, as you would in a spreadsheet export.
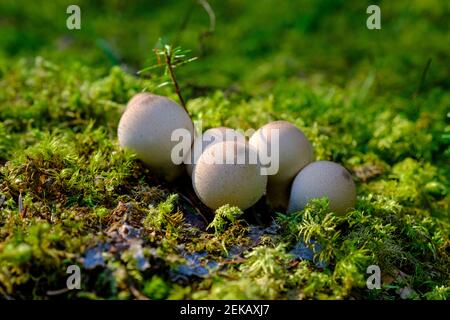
146	128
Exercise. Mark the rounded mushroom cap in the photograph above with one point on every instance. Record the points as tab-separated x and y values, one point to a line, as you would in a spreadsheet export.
208	138
323	179
146	128
295	151
235	180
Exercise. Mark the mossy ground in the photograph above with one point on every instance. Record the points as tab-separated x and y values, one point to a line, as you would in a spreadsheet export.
69	195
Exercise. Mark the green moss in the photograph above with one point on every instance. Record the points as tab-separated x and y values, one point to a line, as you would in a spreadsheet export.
161	215
223	216
156	288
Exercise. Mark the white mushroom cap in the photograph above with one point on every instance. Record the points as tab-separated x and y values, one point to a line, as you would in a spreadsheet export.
294	152
146	128
323	179
237	183
208	138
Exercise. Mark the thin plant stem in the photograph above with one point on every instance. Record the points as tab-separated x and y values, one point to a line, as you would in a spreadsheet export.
173	78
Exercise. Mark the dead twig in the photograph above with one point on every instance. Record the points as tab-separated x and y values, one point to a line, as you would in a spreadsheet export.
57	292
22	209
137	293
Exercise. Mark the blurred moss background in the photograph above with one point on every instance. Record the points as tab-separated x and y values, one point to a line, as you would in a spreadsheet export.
253	42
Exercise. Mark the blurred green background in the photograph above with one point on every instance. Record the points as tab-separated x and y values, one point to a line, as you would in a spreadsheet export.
253	42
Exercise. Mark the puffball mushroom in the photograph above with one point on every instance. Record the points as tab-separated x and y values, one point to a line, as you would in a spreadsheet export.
291	150
235	180
323	179
146	128
208	138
